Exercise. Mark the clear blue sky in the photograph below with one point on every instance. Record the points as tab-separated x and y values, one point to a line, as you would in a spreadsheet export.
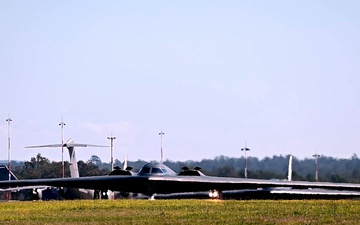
282	76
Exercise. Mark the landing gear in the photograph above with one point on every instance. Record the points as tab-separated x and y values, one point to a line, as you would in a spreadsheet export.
104	194
215	194
96	194
34	194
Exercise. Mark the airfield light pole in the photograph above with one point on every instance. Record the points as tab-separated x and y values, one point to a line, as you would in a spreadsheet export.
316	166
62	124
245	149
9	146
112	138
161	146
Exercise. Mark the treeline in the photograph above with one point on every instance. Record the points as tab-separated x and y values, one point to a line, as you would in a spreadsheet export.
41	167
329	168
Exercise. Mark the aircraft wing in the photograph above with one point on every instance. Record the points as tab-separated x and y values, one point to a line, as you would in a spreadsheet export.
115	183
65	145
23	188
45	146
150	185
87	145
315	191
203	183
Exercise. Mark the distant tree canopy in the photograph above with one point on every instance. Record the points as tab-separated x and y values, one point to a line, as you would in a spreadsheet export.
95	160
330	169
41	167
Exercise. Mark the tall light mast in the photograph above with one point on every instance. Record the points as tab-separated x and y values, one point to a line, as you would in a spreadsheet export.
316	166
62	124
245	149
161	145
9	146
290	168
112	138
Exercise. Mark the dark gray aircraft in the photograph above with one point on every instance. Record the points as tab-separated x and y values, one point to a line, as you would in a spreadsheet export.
156	178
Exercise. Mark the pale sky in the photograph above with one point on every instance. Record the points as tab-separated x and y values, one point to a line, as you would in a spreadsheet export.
282	76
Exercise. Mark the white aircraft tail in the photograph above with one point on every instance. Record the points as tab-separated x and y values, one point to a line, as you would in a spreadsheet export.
70	145
125	165
73	193
290	169
73	165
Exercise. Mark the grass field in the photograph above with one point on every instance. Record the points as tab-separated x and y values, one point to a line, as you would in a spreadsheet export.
181	212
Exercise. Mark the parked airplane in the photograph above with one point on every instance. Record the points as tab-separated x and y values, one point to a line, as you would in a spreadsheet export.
157	178
49	192
28	192
75	193
36	191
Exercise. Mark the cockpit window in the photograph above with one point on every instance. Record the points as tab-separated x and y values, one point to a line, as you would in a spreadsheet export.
156	170
145	170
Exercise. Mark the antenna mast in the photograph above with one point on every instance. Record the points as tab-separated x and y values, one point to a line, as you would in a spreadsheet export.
112	138
290	168
245	149
62	124
161	147
9	146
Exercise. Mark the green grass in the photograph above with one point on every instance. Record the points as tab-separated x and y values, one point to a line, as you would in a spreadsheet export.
181	212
